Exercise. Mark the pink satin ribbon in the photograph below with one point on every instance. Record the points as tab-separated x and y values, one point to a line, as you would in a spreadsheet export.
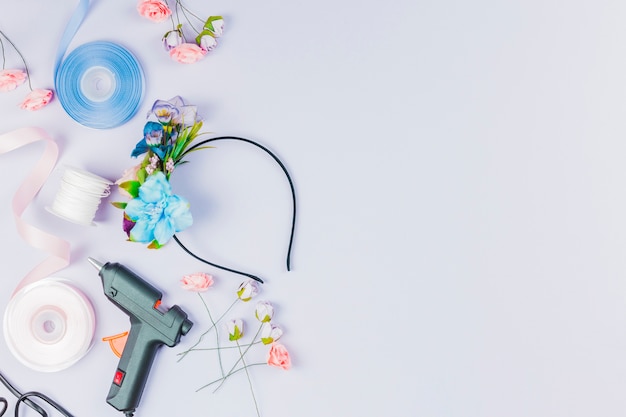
57	248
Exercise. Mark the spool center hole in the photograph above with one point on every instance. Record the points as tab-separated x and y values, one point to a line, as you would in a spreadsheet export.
48	326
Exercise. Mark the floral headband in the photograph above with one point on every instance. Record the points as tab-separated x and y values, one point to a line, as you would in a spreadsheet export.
154	214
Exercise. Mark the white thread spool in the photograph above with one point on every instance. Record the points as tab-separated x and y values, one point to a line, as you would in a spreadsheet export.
79	196
49	325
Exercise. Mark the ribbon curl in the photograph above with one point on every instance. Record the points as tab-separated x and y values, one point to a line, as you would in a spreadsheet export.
57	248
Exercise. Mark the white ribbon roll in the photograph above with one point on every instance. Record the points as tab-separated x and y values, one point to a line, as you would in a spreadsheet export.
49	325
79	196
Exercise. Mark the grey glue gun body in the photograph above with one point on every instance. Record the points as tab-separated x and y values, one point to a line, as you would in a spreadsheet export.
150	328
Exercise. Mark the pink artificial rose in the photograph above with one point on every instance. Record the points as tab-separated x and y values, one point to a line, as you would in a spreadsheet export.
187	53
129	175
37	99
279	356
154	10
198	282
12	78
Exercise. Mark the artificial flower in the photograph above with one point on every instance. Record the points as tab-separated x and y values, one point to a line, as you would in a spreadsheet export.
153	133
154	10
174	111
207	43
270	333
10	79
169	165
279	356
187	53
216	25
36	99
172	39
247	290
129	174
157	213
198	282
264	311
235	329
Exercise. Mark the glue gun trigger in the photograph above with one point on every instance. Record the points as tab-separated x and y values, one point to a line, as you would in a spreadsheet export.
117	343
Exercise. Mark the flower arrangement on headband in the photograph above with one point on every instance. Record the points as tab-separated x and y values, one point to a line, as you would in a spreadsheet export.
154	214
12	78
267	334
181	46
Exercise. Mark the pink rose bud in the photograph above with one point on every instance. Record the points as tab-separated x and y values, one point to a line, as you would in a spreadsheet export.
198	282
279	356
154	10
37	99
264	311
11	79
187	53
235	329
270	333
247	290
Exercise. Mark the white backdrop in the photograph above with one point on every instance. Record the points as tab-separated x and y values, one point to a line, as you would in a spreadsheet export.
460	175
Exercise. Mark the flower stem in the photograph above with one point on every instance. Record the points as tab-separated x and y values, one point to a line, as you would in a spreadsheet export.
4	59
249	380
183	354
232	373
21	56
217	334
240	356
220	348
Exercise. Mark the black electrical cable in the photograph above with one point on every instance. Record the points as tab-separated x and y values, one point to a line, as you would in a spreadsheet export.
25	397
293	198
5	404
18	394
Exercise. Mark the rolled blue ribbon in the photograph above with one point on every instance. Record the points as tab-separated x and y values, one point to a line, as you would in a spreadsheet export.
100	84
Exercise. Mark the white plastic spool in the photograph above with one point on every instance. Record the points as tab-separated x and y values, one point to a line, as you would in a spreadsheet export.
79	196
49	325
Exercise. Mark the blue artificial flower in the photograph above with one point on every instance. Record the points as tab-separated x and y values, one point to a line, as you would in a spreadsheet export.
152	139
153	133
157	213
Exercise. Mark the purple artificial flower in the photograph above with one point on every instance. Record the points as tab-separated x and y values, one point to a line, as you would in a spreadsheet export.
174	111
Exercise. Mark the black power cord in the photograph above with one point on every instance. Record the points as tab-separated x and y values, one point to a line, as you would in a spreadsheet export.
25	398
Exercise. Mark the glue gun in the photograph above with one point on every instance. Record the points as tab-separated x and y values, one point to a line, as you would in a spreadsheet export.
150	328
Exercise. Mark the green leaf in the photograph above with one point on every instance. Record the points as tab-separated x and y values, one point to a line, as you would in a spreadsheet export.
154	245
119	204
142	175
201	34
132	187
209	23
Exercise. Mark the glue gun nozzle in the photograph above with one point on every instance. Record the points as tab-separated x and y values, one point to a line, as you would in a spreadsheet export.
96	264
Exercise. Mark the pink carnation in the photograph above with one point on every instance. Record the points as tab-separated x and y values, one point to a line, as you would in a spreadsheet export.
154	10
279	356
198	282
187	53
10	79
36	99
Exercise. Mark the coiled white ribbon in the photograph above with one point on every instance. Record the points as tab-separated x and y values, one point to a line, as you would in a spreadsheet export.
48	324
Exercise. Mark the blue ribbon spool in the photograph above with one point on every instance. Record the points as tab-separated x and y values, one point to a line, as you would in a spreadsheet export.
100	85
